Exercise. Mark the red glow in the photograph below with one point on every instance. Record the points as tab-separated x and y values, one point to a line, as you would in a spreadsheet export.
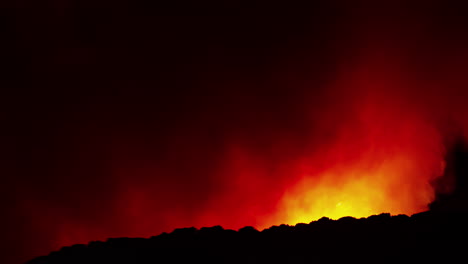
372	150
209	125
382	159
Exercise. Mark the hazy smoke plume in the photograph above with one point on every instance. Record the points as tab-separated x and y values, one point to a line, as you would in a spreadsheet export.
122	123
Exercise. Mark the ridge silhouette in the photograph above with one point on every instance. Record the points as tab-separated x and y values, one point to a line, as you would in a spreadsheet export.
438	235
423	237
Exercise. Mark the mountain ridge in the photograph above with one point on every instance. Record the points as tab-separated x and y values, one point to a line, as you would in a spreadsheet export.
423	236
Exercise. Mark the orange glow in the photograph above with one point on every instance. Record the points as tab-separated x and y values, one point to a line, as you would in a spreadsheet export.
382	159
361	194
145	124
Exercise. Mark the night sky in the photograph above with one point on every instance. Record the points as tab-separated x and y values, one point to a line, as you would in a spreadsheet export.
130	118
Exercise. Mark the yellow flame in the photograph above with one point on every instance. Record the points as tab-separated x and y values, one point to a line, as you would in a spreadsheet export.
357	192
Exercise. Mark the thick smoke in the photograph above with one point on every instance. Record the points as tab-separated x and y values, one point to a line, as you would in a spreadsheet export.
122	123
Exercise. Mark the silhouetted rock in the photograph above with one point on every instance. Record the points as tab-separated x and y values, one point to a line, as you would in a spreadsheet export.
248	230
452	188
423	237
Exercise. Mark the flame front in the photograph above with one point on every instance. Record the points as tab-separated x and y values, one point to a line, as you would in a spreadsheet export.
360	194
382	158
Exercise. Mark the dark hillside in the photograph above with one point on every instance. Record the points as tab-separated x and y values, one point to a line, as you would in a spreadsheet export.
423	237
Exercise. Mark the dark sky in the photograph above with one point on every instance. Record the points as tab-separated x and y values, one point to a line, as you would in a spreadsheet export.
129	118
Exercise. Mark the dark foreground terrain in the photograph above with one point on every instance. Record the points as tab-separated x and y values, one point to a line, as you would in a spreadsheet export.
428	237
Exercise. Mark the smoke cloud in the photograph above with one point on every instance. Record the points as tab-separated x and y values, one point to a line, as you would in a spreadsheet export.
119	122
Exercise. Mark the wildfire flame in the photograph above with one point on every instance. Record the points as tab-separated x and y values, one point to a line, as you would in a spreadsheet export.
383	158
